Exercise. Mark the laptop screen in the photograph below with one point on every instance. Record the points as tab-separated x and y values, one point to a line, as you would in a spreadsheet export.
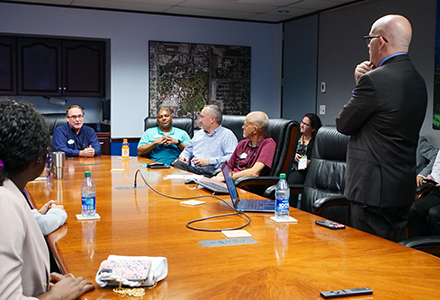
230	183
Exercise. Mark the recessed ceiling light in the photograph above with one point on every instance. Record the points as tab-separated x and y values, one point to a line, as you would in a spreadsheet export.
284	11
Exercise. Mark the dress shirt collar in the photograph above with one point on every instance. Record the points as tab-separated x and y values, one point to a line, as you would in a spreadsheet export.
392	55
214	131
169	132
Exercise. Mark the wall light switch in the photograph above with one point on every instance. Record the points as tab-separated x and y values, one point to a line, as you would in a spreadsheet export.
323	87
322	109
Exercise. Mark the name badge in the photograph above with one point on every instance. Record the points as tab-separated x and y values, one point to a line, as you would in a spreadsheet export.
157	136
243	155
70	142
302	164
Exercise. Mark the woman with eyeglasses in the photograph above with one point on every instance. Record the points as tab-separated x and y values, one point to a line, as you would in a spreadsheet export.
309	127
24	256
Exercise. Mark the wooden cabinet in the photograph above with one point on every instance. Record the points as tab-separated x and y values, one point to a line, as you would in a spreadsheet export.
39	67
8	62
104	141
83	68
52	67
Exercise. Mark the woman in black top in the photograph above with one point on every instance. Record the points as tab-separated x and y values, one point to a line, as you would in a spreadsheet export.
309	126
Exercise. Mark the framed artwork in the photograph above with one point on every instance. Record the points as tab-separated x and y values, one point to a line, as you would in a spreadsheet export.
184	77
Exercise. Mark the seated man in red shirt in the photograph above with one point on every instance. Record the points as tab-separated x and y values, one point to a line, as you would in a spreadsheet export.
253	156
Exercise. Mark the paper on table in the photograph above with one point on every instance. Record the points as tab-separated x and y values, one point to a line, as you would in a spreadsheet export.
95	217
235	233
288	220
117	170
192	202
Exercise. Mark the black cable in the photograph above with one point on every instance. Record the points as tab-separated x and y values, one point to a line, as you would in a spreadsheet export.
219	216
238	212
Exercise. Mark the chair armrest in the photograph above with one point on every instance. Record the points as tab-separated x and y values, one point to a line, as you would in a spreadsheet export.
430	244
261	180
322	204
295	189
423	190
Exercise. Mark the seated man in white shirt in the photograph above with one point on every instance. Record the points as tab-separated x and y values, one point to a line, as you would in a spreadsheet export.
210	147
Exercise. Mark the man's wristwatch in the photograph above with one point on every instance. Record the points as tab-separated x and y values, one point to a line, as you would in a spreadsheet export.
178	142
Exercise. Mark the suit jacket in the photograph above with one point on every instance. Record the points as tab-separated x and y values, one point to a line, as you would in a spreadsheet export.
384	117
24	257
426	154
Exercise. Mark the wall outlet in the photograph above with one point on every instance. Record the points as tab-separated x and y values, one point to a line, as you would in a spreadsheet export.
322	109
323	87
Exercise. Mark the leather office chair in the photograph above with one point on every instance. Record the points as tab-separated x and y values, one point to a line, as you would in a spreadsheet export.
184	123
428	244
235	124
323	188
285	133
54	120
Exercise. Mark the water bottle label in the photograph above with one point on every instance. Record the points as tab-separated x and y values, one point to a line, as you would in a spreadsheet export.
88	203
282	205
125	152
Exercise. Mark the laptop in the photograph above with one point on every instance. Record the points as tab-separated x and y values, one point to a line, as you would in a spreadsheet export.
246	205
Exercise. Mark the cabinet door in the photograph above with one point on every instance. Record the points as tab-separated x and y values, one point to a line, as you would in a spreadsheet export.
84	68
39	65
8	65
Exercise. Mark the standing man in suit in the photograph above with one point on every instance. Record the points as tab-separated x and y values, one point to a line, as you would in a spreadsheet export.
383	117
74	138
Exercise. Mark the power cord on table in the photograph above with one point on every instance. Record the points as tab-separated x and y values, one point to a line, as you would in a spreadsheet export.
238	212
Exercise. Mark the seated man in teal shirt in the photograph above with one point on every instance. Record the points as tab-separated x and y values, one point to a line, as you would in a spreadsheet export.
165	142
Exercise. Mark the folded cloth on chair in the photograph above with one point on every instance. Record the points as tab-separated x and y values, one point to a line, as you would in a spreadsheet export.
132	271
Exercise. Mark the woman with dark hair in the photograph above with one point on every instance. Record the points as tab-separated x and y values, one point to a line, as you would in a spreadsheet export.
309	127
24	256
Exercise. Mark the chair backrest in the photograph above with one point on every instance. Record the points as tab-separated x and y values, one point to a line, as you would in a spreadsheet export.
285	133
54	120
326	172
235	124
184	123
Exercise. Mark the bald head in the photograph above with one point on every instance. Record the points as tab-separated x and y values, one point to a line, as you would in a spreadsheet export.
396	30
259	119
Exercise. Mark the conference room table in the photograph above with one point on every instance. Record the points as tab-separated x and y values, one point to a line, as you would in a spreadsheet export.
285	261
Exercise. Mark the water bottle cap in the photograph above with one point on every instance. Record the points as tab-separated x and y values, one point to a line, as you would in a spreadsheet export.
282	176
125	140
87	173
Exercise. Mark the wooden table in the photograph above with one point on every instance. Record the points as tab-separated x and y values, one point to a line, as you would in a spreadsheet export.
289	261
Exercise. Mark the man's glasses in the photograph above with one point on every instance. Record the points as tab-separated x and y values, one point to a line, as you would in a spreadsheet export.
368	38
76	117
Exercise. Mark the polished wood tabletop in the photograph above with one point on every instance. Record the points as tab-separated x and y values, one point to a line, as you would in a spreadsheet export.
288	261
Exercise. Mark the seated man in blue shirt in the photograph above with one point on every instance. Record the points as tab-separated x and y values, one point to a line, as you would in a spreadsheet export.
163	143
210	147
74	138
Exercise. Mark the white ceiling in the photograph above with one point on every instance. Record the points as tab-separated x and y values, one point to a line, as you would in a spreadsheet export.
250	10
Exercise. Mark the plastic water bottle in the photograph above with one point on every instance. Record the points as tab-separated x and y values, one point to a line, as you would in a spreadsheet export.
98	126
88	194
282	194
125	149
